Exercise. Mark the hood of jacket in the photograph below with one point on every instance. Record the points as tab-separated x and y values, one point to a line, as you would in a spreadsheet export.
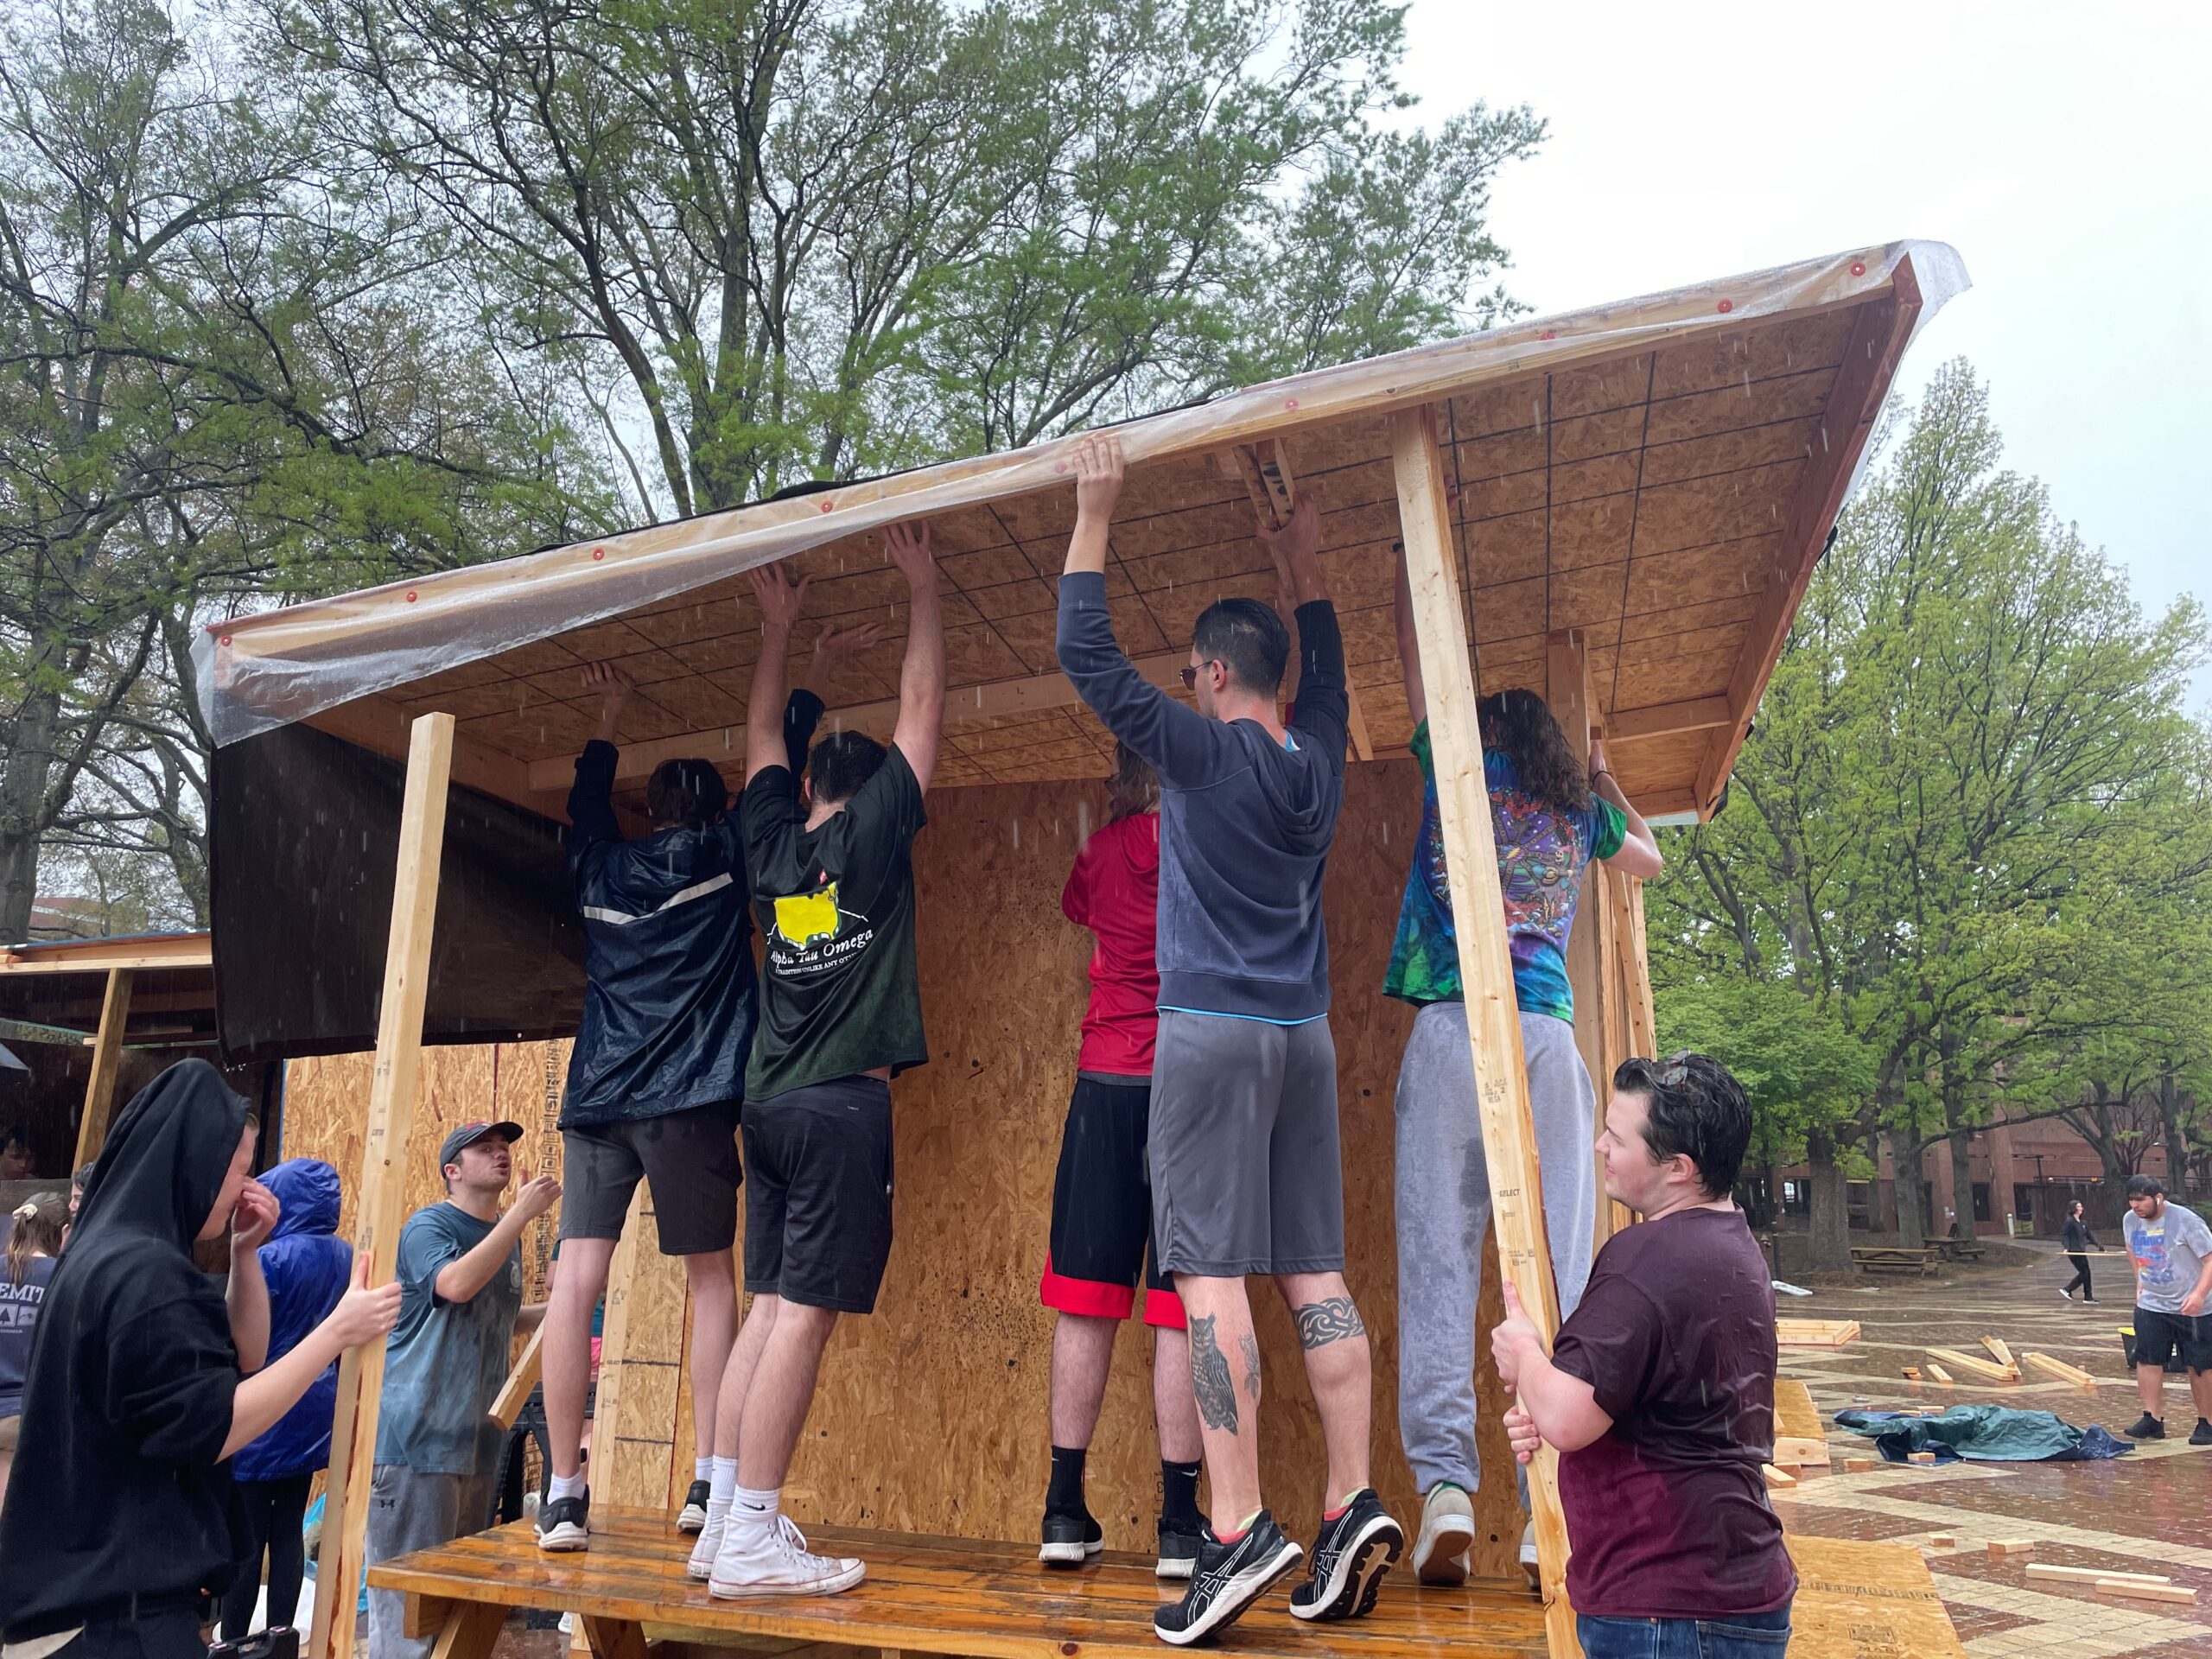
307	1188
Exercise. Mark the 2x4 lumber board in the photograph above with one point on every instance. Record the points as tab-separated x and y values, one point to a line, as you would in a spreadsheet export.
2178	1592
98	956
1862	381
1815	1333
1567	693
1627	893
2091	1575
392	1092
507	1404
1799	1438
1937	1373
2059	1368
1669	718
469	1631
1485	968
380	725
107	1061
1980	1370
2000	1352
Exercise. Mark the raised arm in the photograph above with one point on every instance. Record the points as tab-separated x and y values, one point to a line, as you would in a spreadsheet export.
921	676
780	603
1639	850
461	1279
246	1296
1323	709
1401	607
591	799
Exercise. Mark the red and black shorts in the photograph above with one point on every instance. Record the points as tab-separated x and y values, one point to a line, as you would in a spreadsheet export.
1101	1207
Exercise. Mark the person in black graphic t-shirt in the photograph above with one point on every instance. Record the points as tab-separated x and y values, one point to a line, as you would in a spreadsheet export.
841	1014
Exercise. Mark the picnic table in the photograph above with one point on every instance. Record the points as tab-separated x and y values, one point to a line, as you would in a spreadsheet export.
1904	1258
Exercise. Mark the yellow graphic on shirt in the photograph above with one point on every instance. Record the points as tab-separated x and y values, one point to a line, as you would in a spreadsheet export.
806	917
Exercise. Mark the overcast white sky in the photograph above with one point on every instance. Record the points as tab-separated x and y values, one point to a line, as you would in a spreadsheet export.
2065	149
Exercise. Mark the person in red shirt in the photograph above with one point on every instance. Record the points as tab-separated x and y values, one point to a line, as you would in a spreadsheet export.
1659	1392
1102	1196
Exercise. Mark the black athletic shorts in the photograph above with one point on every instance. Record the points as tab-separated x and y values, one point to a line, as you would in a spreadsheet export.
2158	1337
689	1159
817	1213
1101	1207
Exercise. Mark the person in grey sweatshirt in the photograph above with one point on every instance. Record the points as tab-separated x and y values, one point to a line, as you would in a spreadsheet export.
1245	1172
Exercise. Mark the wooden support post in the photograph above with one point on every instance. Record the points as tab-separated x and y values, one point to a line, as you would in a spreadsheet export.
1590	947
107	1061
392	1089
1485	967
507	1405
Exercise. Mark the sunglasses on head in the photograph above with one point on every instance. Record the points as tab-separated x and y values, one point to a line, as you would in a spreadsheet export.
1672	1070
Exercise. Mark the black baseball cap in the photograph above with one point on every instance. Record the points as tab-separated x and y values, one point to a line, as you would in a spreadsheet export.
469	1134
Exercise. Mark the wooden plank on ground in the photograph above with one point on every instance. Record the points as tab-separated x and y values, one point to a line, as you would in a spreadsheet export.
1815	1333
107	1060
2059	1368
2090	1574
1999	1352
1981	1371
1799	1437
381	1188
1486	966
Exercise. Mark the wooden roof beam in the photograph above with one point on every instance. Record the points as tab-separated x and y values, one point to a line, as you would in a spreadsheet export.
1862	381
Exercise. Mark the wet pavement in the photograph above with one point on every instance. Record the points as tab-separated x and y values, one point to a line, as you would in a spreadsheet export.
2147	1512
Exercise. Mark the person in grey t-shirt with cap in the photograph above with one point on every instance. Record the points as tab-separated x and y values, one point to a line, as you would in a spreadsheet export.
460	1271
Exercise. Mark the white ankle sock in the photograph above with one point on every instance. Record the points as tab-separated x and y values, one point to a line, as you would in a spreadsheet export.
702	1468
565	1486
751	1508
722	1478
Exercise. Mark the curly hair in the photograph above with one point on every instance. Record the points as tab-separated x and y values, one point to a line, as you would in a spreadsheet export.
1517	724
1132	787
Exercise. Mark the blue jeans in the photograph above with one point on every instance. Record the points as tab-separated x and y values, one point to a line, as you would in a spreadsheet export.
1735	1636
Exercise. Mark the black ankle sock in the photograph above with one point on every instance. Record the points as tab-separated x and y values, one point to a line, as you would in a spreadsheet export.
1178	1493
1064	1495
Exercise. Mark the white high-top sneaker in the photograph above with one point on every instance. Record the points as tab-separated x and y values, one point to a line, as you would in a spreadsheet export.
702	1564
774	1560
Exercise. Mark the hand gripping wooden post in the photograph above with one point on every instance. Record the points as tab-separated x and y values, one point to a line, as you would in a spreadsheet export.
1485	969
382	1193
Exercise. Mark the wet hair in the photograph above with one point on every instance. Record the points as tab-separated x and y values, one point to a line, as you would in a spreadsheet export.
1132	787
1248	638
83	1177
1517	724
841	764
690	793
39	1222
2145	1186
1698	1111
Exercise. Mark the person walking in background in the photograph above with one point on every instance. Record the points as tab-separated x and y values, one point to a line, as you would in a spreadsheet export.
1102	1240
306	1267
1551	817
146	1380
25	1266
2077	1240
460	1266
2172	1248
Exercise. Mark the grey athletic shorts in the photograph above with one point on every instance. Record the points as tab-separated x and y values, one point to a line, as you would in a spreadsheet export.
689	1159
1245	1173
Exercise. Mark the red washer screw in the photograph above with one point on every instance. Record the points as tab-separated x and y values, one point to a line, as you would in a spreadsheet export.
410	595
1727	305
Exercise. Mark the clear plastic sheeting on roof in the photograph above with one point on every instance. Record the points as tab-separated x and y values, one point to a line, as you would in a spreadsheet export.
262	671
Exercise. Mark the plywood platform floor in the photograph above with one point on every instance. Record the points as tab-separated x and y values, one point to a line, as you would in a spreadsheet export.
961	1596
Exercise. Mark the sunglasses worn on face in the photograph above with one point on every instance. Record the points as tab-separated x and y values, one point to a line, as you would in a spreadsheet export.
1190	675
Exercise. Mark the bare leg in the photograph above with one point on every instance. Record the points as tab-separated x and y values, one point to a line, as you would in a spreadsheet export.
737	1374
1225	1382
567	1348
782	1391
1339	1368
1083	1353
714	1331
2200	1388
2150	1388
1174	1408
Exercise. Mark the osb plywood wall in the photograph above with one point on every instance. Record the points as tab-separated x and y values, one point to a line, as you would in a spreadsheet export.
326	1106
932	1413
931	1416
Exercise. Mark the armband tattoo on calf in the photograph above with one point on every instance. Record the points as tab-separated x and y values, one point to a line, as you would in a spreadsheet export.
1322	1323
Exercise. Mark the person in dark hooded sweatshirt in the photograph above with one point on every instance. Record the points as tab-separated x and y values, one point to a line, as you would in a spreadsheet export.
658	1071
146	1379
305	1266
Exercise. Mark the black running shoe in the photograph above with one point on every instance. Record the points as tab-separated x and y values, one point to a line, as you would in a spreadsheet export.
1227	1578
2148	1428
564	1524
1069	1540
1349	1558
2202	1434
1178	1549
693	1516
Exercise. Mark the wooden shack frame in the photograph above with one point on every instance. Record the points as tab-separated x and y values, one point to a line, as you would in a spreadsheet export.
1620	506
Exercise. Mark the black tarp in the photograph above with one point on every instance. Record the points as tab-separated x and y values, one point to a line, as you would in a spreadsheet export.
303	846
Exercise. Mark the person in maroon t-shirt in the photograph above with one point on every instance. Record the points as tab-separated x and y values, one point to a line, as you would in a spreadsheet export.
1659	1393
1101	1196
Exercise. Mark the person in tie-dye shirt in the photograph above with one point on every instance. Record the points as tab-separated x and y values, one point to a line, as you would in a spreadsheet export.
1551	818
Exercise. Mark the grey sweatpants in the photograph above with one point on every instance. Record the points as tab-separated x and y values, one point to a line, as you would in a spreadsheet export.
1443	1201
409	1511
